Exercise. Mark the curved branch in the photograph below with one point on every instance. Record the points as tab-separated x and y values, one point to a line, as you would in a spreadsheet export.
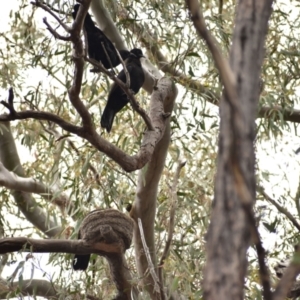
28	206
41	115
165	91
29	185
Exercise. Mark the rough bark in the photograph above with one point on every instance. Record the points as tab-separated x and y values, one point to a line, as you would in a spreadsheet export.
229	233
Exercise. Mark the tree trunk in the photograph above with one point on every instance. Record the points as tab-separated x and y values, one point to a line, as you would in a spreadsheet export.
229	232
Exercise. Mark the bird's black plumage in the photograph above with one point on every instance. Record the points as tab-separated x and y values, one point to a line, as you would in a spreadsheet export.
81	262
117	98
95	38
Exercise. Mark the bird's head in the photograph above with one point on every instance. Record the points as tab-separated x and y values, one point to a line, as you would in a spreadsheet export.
137	52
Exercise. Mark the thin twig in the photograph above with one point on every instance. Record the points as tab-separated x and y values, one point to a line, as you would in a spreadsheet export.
107	56
55	33
279	207
57	10
45	7
148	256
78	61
125	69
166	251
90	166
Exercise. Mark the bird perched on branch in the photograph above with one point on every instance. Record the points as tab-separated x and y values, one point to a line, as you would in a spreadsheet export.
96	40
117	98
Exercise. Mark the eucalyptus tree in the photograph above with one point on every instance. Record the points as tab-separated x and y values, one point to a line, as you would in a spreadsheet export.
220	86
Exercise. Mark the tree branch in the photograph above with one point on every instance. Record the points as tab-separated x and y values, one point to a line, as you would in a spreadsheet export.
32	287
58	246
165	92
29	185
222	64
28	206
54	32
291	115
285	284
41	115
46	8
171	223
279	207
144	206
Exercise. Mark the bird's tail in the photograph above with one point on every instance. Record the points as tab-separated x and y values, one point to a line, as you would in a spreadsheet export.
107	118
81	262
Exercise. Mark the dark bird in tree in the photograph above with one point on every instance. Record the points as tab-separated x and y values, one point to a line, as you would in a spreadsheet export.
96	40
117	98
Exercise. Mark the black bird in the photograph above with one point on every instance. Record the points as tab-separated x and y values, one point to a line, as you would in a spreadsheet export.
117	98
95	38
